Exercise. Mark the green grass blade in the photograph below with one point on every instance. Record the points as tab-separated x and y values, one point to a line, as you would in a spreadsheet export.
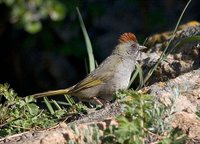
69	100
140	72
185	41
50	108
87	41
63	103
57	105
163	55
140	76
133	76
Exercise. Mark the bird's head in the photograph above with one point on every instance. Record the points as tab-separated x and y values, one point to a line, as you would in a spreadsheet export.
128	46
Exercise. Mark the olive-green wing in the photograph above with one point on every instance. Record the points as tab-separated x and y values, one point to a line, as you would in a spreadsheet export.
92	80
99	76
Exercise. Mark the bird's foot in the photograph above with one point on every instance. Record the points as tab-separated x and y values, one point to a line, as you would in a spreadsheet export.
97	101
100	102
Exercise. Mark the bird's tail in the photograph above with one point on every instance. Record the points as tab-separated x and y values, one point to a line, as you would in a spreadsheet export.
51	93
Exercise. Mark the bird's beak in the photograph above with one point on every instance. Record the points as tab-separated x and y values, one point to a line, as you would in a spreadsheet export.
142	47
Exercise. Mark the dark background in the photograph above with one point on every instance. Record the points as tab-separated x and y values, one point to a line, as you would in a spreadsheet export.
42	46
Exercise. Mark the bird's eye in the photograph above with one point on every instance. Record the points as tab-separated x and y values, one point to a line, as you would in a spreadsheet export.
133	45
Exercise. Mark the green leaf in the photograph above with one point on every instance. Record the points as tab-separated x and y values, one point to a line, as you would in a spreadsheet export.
33	108
50	108
88	42
58	12
33	27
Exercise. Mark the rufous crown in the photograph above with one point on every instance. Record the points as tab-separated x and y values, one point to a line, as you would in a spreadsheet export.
127	37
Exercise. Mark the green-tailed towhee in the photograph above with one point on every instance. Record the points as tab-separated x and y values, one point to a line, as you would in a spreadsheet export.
111	75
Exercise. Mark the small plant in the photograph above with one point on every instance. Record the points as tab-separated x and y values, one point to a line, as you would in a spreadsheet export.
198	112
143	121
19	115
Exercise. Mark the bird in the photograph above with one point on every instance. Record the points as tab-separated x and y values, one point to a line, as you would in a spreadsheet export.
111	75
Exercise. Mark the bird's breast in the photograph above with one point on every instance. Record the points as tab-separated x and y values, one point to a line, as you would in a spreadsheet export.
121	77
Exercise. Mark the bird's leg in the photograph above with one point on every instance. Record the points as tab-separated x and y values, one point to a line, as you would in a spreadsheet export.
100	101
97	101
